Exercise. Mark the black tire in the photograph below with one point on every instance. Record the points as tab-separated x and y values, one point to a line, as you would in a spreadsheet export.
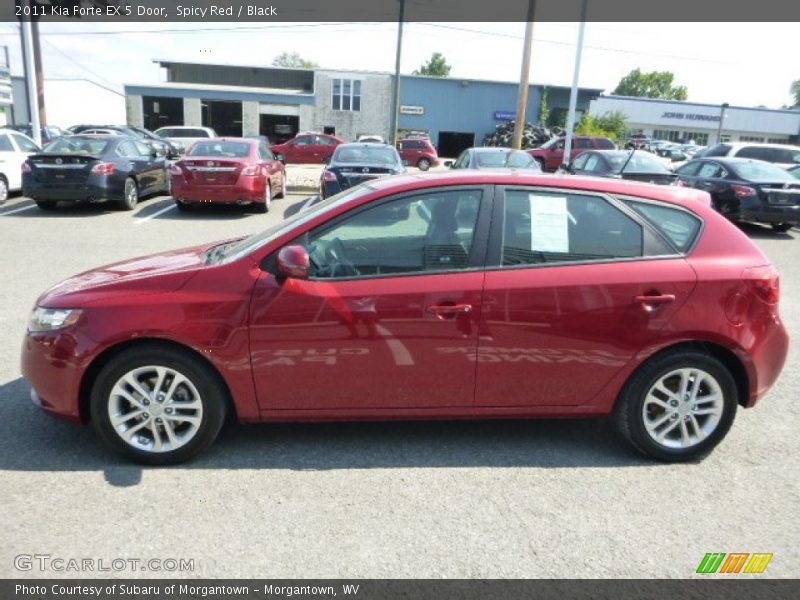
4	193
782	227
424	164
541	163
46	204
130	194
263	207
283	188
182	206
212	392
628	415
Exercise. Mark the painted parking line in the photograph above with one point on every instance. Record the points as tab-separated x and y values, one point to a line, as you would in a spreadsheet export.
155	214
16	210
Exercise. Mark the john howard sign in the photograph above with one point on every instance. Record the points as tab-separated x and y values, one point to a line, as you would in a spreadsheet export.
690	116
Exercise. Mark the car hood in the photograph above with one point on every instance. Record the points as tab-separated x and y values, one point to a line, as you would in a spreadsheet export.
163	272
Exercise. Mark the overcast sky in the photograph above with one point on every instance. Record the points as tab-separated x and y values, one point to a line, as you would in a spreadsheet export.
747	64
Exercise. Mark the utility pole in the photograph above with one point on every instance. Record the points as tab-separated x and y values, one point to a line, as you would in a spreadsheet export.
37	63
396	100
573	95
522	94
721	118
30	84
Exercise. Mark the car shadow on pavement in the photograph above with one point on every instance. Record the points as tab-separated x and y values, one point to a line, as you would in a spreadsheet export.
69	211
209	212
37	442
765	232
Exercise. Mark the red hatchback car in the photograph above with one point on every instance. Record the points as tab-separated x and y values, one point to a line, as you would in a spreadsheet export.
550	155
418	152
228	171
456	295
308	148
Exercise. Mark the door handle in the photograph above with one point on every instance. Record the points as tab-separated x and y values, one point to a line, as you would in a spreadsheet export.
650	302
448	311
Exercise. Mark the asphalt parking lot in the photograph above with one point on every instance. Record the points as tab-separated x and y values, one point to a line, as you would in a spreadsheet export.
383	500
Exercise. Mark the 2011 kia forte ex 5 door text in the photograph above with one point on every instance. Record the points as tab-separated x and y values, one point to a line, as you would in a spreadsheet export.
453	295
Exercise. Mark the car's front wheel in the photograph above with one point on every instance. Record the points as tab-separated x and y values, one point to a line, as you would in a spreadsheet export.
678	406
157	404
424	164
782	227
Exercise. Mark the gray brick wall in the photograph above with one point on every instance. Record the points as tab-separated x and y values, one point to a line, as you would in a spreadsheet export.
373	118
134	112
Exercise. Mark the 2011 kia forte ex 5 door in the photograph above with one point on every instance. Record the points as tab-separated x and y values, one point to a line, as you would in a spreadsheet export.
472	294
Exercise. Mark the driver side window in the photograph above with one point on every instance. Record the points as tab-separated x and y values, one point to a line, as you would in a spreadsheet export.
423	233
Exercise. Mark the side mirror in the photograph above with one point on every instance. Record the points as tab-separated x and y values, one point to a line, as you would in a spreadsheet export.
293	261
448	164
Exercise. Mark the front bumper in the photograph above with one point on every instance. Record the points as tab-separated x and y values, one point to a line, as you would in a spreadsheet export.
50	365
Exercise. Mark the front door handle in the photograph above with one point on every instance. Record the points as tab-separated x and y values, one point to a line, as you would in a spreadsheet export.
448	311
649	302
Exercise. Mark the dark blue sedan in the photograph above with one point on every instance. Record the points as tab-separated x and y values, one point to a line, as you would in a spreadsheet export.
352	164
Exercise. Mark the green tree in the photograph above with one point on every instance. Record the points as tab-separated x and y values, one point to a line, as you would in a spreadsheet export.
293	60
435	67
612	125
544	108
653	84
795	89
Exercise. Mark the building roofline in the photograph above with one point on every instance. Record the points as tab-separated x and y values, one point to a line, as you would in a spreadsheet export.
688	103
220	88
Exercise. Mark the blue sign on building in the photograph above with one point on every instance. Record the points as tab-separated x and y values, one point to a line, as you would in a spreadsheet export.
505	115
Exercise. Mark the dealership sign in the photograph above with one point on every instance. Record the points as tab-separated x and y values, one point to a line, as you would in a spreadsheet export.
690	116
407	109
505	115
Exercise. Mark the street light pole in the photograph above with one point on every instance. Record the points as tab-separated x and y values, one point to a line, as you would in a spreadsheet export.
573	95
721	118
30	81
522	94
396	100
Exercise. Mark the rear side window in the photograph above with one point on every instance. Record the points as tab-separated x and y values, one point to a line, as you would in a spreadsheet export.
718	150
678	226
5	144
605	144
757	152
544	227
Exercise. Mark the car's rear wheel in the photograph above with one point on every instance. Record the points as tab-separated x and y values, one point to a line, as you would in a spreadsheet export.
782	227
46	204
157	404
264	207
678	406
424	164
182	206
282	193
130	194
3	190
541	163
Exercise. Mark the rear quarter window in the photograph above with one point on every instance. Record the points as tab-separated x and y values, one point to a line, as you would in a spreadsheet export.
678	226
605	144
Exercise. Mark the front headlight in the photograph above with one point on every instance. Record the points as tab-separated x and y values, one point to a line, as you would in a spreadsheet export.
52	319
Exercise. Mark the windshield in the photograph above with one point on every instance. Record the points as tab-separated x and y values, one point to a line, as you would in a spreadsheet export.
515	159
225	149
366	155
235	250
76	145
761	171
639	163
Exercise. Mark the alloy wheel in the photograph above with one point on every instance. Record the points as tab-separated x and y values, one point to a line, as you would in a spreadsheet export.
155	409
682	408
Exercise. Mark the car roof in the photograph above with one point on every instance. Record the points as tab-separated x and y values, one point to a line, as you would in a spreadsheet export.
731	160
682	196
488	149
363	145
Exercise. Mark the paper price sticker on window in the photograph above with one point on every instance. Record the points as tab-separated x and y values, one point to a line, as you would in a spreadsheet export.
549	227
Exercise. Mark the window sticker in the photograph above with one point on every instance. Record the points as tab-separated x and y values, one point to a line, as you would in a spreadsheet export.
549	232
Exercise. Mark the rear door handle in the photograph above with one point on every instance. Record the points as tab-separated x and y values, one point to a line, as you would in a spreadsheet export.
651	302
445	311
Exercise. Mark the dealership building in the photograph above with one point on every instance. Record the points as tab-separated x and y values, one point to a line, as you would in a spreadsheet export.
278	102
704	123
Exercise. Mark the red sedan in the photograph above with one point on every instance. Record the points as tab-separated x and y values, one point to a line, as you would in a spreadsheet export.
308	148
457	295
228	171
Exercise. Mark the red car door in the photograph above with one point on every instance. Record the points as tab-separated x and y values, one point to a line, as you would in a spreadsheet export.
554	156
300	149
391	285
573	298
